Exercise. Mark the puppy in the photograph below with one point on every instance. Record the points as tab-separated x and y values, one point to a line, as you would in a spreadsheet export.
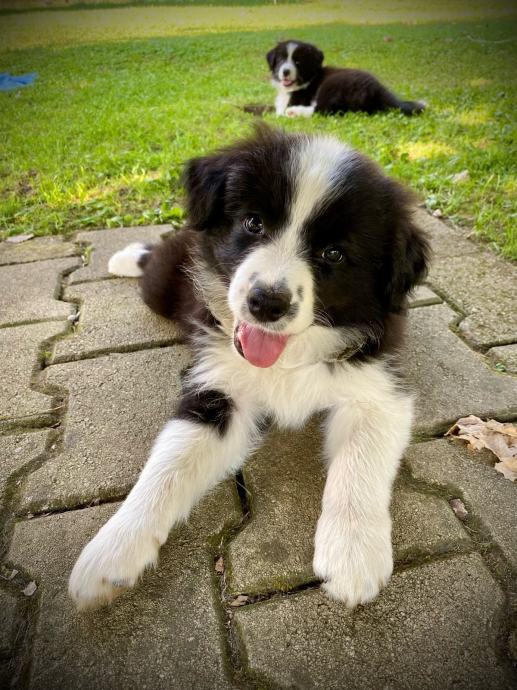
305	87
290	280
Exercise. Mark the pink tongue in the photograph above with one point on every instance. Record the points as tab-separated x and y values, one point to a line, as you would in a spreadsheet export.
260	348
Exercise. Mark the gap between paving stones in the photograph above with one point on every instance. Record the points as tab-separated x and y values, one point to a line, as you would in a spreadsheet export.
236	653
483	544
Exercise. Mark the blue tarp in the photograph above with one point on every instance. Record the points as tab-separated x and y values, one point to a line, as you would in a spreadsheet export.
8	82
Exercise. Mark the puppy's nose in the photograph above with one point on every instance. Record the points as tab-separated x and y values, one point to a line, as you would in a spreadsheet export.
286	72
268	305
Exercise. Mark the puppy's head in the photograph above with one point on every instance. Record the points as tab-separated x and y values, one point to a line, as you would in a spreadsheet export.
293	63
305	232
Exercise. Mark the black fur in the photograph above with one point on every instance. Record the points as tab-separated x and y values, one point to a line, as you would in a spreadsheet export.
206	407
335	90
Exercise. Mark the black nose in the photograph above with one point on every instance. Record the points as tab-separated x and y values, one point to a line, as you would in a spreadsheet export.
268	305
286	71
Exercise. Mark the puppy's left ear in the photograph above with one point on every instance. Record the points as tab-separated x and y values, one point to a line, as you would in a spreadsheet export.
204	180
410	251
270	57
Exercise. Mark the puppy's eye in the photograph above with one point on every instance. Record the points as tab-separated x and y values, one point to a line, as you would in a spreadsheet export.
253	224
333	255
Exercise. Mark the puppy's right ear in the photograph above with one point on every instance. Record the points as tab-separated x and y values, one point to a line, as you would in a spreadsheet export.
270	57
204	180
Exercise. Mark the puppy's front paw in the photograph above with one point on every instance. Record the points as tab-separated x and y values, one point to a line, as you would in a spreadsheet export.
111	563
299	111
353	568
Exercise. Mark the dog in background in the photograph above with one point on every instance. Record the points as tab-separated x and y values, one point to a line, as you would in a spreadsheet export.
306	87
290	280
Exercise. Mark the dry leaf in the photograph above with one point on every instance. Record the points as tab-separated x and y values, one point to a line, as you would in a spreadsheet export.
499	438
438	213
30	589
219	565
458	508
239	600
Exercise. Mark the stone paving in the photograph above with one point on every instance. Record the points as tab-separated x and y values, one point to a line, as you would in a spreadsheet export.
90	375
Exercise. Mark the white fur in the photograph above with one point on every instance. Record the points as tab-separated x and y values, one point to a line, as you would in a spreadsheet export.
125	262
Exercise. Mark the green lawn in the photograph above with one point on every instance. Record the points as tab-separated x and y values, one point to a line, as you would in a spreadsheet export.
100	139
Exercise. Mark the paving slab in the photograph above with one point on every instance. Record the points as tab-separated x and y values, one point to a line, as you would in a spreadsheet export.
422	296
117	404
449	379
16	451
433	627
446	239
113	316
20	347
29	292
104	243
505	355
285	480
488	496
10	623
36	249
483	287
165	634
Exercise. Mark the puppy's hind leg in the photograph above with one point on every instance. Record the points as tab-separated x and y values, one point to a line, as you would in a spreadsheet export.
130	261
207	440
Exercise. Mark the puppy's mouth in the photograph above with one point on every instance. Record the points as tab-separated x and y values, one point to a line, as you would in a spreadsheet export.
260	348
287	82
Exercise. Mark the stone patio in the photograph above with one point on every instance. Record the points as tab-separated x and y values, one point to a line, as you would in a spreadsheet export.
89	377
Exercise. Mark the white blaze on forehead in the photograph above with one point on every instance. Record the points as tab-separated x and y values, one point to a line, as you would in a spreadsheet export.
318	165
291	47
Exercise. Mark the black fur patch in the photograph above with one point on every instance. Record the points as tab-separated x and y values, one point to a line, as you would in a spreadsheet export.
206	407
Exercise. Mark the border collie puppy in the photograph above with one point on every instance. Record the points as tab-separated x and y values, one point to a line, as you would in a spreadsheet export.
306	87
290	280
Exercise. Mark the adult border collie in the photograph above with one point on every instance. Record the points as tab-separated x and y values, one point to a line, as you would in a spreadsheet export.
290	280
306	87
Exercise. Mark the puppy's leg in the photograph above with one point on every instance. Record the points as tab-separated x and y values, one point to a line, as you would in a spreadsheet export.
300	111
365	441
207	441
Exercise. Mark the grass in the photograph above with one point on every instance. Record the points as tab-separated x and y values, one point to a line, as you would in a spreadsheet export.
100	139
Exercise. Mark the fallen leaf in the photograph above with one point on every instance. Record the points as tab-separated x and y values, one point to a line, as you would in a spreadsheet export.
30	589
460	177
240	600
458	508
16	239
387	39
438	213
499	438
219	565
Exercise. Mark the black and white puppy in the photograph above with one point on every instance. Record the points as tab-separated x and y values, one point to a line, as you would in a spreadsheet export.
291	280
305	87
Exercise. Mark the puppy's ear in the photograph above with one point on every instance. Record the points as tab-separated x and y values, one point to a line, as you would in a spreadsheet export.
204	180
319	56
409	262
270	57
409	249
